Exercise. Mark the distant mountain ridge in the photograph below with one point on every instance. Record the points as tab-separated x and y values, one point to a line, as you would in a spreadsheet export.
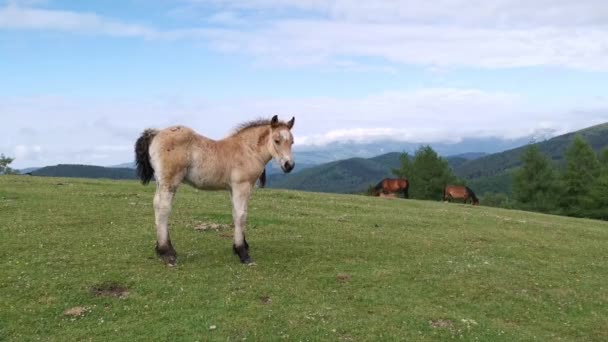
492	173
351	175
482	171
85	171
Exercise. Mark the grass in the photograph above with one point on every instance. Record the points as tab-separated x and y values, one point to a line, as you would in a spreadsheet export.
329	267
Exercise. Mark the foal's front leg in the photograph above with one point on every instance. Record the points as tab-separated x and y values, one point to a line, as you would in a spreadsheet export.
240	194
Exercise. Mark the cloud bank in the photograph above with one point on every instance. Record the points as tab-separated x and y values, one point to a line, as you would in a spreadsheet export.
481	34
61	130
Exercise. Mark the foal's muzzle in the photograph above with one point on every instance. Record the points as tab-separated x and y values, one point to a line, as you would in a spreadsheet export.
288	166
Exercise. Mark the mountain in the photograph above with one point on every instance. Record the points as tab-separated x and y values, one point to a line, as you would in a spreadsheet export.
483	172
492	173
317	155
309	156
344	176
85	171
128	165
28	170
555	148
351	175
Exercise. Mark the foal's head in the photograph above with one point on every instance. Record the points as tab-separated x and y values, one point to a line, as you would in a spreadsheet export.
280	141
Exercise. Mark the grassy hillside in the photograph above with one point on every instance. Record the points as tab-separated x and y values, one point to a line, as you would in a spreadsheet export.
329	267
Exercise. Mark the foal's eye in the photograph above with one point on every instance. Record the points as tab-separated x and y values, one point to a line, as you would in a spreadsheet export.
277	141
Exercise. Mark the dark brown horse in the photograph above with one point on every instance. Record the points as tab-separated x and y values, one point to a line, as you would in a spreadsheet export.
392	186
462	192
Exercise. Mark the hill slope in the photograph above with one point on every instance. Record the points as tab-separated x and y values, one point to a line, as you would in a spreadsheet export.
329	267
344	176
85	171
352	175
498	163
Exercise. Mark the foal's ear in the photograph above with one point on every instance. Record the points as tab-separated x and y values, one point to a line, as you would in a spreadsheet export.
274	122
291	122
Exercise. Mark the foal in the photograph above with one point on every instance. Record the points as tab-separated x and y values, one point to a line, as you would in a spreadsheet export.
178	155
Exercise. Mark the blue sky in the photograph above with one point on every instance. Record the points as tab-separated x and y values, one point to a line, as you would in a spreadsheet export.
80	79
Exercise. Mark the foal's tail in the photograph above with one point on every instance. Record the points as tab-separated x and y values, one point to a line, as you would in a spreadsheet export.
142	157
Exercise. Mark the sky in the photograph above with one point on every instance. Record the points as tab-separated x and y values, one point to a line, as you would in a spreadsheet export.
80	80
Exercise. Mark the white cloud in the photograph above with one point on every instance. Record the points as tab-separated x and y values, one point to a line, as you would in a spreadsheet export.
24	152
317	42
103	132
479	13
451	33
17	17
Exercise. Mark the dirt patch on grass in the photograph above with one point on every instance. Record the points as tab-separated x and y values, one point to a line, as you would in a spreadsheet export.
77	311
265	299
205	226
344	277
226	235
441	323
110	290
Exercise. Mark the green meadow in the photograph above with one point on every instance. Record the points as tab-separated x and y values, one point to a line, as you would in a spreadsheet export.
77	263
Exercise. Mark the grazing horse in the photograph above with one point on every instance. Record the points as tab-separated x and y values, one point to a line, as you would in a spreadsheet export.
391	186
465	193
178	155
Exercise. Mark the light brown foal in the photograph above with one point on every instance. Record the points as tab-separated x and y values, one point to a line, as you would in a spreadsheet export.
178	155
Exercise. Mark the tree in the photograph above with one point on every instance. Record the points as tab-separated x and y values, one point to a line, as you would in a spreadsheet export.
406	170
427	173
4	165
534	183
598	195
581	172
603	158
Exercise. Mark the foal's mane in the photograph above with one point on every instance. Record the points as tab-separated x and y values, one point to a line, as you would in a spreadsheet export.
255	123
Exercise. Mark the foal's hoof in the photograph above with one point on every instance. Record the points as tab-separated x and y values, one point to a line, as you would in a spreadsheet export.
170	260
243	253
168	255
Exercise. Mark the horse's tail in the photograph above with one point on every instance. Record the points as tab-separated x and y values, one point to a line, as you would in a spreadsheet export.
142	157
406	191
445	195
472	194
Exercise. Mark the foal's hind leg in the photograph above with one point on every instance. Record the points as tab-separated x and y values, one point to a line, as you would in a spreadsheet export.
162	209
240	194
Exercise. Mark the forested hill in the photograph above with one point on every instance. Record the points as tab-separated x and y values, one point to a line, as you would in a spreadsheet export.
347	176
85	171
555	148
343	176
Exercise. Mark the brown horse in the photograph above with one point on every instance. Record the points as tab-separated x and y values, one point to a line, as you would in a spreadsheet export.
465	193
392	186
178	155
